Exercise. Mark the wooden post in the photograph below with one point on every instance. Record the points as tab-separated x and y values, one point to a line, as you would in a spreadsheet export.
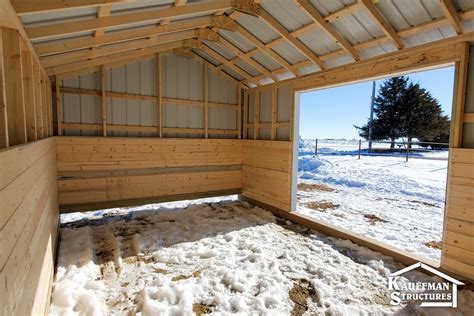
29	94
45	105
159	93
3	102
246	115
104	100
59	105
14	87
239	110
274	113
256	116
206	97
38	100
460	81
50	106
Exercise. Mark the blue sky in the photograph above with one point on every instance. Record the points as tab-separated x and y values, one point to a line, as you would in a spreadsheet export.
331	113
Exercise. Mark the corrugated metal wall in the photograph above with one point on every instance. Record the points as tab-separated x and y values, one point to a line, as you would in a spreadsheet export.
182	78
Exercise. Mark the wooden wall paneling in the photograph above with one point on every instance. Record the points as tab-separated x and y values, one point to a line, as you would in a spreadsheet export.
38	101
14	87
3	100
28	227
29	93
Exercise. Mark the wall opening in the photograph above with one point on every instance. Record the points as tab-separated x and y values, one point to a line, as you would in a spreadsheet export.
389	186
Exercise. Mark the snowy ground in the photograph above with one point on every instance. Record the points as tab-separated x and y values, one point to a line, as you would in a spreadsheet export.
219	257
385	198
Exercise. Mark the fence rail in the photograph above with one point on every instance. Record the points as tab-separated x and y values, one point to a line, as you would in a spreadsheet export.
414	150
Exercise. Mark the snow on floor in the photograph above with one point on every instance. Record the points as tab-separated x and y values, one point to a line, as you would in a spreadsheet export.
399	203
217	257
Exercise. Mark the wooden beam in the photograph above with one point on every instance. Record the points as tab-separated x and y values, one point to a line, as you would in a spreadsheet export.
9	19
29	94
159	93
386	27
319	19
33	6
103	85
3	100
239	110
177	3
102	11
59	106
14	86
56	29
241	55
206	99
120	36
73	57
228	63
256	116
451	13
246	115
460	86
273	129
280	29
38	100
109	59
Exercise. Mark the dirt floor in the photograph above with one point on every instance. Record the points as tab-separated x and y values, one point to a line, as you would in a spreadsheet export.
220	257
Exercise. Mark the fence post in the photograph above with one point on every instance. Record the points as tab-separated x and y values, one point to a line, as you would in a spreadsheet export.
360	144
408	150
316	149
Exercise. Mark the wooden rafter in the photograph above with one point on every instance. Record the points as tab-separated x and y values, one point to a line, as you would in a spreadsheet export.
98	23
410	31
102	11
177	3
120	36
450	12
109	59
241	55
293	40
72	57
386	27
261	46
319	19
35	6
196	44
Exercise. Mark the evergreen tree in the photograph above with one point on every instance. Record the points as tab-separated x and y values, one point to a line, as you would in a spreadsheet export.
405	110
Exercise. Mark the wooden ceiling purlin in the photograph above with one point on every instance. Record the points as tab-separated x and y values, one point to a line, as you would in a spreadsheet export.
72	27
105	60
76	56
308	8
386	27
452	15
56	47
199	45
23	7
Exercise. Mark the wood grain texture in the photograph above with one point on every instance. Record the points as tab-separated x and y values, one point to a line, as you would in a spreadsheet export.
28	227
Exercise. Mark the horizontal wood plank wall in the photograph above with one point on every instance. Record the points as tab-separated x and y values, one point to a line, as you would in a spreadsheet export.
28	226
266	172
458	245
105	169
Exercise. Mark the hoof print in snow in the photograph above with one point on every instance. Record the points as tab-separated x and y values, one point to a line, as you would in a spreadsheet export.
374	219
300	292
202	309
434	244
321	206
314	187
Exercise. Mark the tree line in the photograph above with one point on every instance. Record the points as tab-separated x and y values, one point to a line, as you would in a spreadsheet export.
403	109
